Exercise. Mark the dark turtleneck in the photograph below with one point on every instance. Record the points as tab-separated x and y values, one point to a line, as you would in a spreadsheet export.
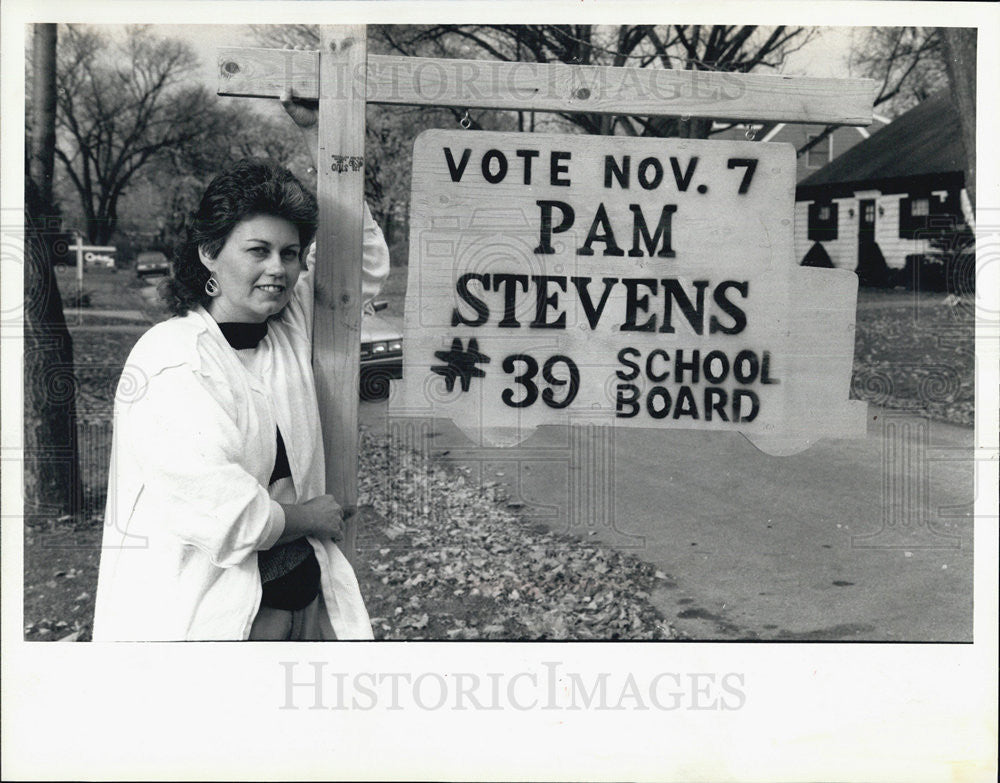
241	335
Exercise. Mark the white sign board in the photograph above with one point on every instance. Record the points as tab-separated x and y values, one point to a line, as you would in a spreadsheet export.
561	279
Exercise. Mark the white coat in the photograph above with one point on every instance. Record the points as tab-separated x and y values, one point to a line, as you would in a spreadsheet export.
193	449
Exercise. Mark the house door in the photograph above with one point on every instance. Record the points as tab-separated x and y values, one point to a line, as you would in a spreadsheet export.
866	222
871	269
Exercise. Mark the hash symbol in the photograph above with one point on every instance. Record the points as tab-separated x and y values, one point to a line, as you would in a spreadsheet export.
461	364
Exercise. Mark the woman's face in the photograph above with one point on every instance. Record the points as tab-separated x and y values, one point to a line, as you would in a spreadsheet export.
256	269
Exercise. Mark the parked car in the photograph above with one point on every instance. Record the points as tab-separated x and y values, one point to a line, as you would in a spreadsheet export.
102	260
151	262
381	352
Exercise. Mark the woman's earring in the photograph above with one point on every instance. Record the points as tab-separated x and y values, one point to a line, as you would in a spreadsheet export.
212	286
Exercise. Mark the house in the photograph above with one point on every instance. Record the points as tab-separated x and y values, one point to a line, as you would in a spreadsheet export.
831	146
879	207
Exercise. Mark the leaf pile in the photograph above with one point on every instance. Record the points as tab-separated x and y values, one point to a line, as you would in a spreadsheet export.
450	559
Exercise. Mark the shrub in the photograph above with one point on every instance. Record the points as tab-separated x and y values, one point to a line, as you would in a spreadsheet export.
817	257
950	266
872	270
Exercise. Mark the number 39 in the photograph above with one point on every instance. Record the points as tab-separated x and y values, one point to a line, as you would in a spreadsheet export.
526	379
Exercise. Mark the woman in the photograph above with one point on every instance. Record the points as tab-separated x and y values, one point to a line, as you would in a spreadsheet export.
217	524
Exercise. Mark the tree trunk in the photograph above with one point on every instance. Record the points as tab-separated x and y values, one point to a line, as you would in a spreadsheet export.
43	142
960	59
51	477
52	485
100	229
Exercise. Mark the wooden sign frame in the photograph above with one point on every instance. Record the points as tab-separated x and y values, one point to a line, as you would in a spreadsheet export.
343	78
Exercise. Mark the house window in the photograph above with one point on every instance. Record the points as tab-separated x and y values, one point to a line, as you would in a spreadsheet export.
819	154
869	213
822	222
923	215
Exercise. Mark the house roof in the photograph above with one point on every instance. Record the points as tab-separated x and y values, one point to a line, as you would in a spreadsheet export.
878	121
925	140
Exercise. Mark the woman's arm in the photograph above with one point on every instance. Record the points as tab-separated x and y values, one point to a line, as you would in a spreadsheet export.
322	517
192	454
306	116
182	437
375	252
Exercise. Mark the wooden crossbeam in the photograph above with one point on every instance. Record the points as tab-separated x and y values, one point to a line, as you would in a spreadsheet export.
556	87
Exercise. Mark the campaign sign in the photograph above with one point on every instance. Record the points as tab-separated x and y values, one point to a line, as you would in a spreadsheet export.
565	279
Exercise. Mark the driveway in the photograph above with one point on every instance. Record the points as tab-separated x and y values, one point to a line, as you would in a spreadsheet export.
867	539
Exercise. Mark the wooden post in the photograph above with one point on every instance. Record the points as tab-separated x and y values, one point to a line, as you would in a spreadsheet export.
79	270
337	319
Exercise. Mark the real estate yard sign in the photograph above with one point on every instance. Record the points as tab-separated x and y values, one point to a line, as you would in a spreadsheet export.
561	279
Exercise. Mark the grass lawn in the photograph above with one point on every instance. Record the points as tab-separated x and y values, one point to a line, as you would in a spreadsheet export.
501	578
916	352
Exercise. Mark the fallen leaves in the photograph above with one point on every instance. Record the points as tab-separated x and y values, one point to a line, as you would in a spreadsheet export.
60	562
448	557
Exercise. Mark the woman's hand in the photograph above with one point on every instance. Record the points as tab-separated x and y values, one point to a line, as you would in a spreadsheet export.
305	114
322	517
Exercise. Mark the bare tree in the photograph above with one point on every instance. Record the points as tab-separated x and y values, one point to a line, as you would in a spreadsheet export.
907	63
175	184
281	36
959	45
43	103
52	484
119	106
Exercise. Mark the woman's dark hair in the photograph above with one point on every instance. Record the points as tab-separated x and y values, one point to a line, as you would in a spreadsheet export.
251	187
